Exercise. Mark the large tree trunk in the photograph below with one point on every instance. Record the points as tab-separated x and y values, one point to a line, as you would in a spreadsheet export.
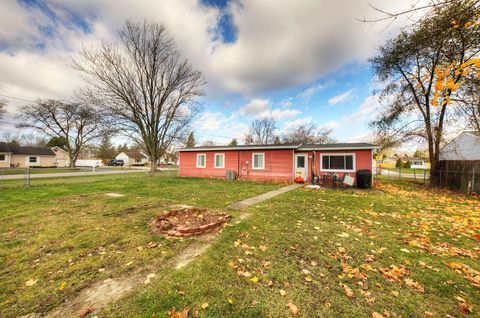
153	165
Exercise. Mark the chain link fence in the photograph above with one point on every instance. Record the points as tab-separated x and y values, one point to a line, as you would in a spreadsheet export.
28	177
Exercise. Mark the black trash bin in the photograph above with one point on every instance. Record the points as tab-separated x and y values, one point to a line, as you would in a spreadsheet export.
364	179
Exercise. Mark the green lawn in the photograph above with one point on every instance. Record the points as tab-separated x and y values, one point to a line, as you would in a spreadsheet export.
317	247
60	233
402	250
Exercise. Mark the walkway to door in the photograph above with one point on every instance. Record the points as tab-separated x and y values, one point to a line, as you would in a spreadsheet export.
262	197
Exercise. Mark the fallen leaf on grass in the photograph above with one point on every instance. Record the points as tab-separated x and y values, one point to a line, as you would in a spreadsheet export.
179	314
282	292
413	284
254	279
292	308
204	306
62	286
149	277
465	308
377	315
230	301
30	282
151	245
348	290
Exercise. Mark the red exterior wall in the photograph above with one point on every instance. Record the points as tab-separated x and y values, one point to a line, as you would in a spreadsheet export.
363	160
278	164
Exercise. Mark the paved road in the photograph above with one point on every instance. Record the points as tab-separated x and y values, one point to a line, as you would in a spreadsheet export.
77	174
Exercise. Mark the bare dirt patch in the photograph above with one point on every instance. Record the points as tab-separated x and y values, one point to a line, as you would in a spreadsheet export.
95	298
188	221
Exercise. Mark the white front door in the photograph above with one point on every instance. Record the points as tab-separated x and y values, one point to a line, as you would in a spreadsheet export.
301	166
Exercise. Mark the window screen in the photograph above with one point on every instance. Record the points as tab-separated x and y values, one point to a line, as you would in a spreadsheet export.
219	161
32	159
337	162
201	161
2	157
258	161
300	162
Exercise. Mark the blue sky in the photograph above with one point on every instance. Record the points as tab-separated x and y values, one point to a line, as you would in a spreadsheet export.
301	62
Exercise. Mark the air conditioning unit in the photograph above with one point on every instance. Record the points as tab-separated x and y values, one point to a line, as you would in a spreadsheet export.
231	175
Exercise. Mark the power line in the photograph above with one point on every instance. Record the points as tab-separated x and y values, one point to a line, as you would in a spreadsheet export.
17	98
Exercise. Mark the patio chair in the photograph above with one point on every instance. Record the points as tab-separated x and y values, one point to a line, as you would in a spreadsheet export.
338	181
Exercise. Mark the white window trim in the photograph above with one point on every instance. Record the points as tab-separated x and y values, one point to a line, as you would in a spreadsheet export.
339	154
205	161
215	161
263	160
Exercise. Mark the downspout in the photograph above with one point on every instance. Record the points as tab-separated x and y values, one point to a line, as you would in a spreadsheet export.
238	163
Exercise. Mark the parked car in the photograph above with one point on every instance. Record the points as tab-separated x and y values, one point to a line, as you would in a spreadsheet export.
115	162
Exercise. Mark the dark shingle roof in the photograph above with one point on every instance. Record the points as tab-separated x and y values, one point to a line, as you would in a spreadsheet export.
4	147
19	150
352	145
296	145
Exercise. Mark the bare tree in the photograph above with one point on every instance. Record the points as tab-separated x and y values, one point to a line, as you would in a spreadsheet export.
262	132
208	143
308	134
3	106
77	123
416	8
145	84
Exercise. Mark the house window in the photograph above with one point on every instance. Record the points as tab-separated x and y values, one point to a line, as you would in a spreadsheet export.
32	159
201	160
258	161
338	162
3	158
219	160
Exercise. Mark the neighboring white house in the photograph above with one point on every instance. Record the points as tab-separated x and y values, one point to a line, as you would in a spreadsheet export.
132	158
419	163
465	146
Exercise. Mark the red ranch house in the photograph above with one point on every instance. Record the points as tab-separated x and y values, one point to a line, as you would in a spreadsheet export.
282	162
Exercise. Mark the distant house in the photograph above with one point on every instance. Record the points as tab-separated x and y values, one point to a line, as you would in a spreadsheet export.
465	146
132	158
418	163
61	157
21	157
415	162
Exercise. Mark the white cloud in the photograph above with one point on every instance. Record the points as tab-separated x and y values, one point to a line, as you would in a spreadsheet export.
331	124
297	122
340	98
255	107
308	93
218	127
365	111
262	108
287	102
